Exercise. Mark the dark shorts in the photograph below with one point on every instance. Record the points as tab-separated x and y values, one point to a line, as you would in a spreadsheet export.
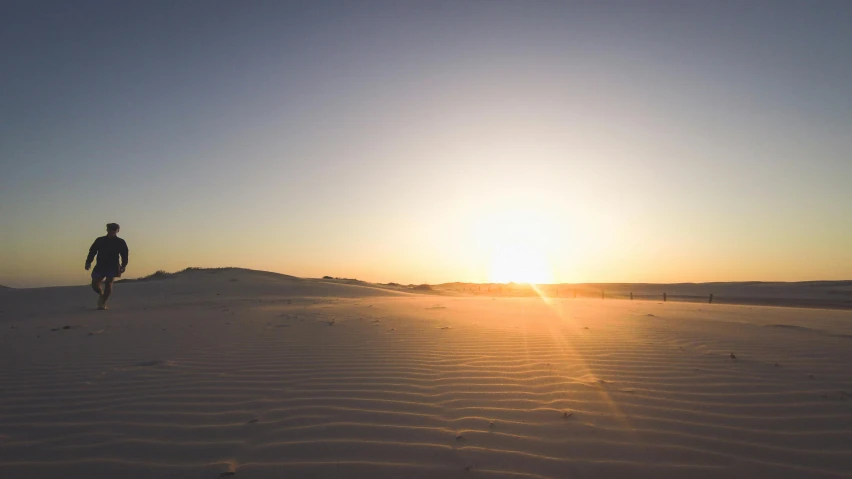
104	273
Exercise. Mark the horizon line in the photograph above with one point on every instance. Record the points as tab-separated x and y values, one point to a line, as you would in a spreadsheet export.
587	283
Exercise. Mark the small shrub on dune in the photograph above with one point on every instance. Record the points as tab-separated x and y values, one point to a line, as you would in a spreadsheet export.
160	274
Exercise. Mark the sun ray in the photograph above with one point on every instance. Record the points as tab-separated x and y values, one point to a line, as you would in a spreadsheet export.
568	350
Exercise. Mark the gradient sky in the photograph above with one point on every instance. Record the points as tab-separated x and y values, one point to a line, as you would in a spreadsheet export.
412	141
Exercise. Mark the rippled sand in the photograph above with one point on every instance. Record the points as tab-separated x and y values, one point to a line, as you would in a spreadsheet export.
268	376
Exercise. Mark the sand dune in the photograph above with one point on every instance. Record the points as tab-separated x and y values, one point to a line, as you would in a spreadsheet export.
267	376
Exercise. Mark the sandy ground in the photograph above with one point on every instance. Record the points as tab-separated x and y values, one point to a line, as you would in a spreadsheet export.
264	376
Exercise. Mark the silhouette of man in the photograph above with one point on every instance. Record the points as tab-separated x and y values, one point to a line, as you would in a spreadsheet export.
109	249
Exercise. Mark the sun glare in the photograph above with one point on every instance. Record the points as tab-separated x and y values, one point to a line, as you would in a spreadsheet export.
519	263
518	243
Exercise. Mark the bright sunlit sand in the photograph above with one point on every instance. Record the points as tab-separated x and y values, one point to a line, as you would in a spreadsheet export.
267	376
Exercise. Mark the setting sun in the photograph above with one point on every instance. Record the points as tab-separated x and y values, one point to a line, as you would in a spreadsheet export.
518	242
519	263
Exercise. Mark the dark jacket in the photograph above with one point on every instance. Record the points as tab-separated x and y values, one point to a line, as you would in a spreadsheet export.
108	250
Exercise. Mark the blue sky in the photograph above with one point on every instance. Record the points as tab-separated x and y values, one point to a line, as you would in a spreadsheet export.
414	141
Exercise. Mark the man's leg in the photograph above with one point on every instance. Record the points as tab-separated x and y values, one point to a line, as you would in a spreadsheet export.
107	290
96	285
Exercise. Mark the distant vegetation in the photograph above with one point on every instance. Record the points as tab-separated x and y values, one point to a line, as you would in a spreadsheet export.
416	287
343	279
163	274
160	274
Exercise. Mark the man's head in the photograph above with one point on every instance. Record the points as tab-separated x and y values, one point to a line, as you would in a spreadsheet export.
112	229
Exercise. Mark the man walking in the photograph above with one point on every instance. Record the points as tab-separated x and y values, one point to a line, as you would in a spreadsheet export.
109	249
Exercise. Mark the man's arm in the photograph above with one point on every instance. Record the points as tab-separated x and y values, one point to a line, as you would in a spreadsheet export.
93	250
125	255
